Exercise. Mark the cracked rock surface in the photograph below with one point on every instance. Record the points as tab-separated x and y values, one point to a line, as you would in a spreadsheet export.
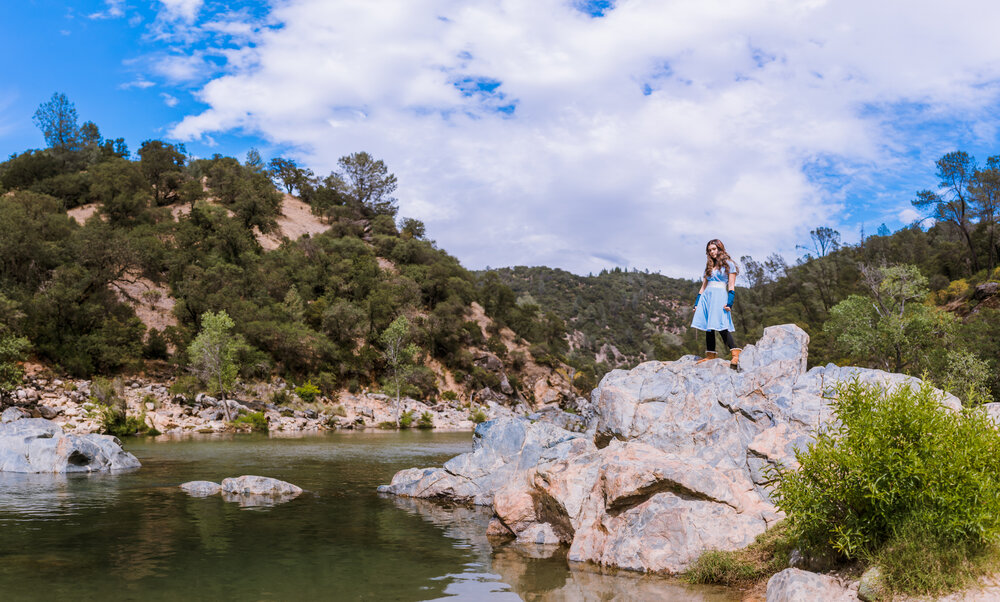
674	462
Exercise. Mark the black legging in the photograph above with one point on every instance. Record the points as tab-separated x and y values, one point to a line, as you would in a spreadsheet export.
727	338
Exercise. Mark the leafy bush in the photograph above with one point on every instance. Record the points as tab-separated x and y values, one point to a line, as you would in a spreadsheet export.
280	397
307	392
186	385
406	419
115	421
478	415
426	421
449	396
897	474
257	421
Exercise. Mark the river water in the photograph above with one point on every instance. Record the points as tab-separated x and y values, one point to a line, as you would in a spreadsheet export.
137	536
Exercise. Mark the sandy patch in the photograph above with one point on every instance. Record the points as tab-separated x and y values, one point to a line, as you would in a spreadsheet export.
82	213
152	302
296	220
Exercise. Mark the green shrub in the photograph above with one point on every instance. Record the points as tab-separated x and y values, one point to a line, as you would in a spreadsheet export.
307	392
115	421
897	474
150	398
449	396
186	385
387	425
280	397
426	421
257	421
478	415
406	419
339	410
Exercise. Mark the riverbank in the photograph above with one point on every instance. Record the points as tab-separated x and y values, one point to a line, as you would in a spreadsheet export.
71	404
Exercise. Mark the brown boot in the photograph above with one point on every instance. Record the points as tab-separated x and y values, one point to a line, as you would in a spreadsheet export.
709	355
735	363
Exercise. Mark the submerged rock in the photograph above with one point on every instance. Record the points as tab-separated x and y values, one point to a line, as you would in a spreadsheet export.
39	445
685	451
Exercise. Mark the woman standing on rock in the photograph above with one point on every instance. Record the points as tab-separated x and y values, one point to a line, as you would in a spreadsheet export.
714	305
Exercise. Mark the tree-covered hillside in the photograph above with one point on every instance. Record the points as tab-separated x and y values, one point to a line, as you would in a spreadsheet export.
615	319
314	309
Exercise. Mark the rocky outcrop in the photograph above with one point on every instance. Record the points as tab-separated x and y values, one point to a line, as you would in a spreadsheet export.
501	450
680	464
32	445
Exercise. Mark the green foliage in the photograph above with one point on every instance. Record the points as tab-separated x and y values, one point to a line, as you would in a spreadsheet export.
307	392
281	397
114	420
13	350
57	120
898	472
155	347
406	419
767	555
449	396
213	352
426	421
187	385
478	415
257	421
339	410
890	328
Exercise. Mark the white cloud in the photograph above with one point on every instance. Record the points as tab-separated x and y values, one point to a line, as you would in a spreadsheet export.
113	10
169	100
184	10
739	98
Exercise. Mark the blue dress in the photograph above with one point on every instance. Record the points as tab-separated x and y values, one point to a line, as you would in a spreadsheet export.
708	314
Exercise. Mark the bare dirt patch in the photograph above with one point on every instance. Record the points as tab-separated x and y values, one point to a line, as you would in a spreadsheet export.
152	302
82	213
295	221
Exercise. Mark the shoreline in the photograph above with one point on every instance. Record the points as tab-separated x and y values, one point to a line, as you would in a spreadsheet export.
69	403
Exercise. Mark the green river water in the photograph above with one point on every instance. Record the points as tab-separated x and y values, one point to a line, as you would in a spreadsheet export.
137	536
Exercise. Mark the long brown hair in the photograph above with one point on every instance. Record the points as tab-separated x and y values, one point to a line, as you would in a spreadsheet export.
722	259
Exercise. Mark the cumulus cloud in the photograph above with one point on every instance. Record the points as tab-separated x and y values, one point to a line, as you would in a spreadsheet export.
184	10
532	132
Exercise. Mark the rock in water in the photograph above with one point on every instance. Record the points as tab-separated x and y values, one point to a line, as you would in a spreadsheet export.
201	488
682	466
39	445
254	485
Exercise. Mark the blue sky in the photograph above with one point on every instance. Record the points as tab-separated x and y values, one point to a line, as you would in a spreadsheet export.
580	134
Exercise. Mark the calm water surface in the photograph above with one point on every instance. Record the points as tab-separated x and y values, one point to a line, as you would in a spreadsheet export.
137	536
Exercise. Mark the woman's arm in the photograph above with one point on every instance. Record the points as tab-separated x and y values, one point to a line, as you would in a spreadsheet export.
732	291
704	283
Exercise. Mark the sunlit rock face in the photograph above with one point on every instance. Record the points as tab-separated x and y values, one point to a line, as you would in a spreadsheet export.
678	464
38	445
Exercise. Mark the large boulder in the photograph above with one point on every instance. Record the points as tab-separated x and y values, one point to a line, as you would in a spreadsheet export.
501	449
680	464
39	445
795	585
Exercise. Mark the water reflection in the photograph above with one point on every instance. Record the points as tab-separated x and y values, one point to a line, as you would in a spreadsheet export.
536	572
